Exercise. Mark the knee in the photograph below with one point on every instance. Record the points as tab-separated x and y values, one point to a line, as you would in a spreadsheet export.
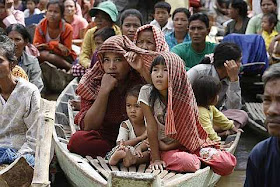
75	142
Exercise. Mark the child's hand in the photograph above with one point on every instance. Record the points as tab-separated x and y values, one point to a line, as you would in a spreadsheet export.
138	152
236	130
157	164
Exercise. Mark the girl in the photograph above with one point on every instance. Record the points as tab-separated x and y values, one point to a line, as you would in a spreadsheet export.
176	138
206	90
53	38
131	132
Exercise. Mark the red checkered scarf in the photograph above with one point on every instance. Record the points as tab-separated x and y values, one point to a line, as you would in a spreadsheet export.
182	122
161	44
89	85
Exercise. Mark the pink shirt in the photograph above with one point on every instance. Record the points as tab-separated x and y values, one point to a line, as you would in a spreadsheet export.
17	16
78	24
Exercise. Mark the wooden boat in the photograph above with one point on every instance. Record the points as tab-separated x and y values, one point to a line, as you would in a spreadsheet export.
88	172
20	173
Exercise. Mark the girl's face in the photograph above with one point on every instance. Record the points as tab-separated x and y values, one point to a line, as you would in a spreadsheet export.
5	68
268	6
233	13
130	25
102	20
160	78
31	5
266	26
115	65
181	22
98	41
133	110
69	8
53	13
146	40
20	43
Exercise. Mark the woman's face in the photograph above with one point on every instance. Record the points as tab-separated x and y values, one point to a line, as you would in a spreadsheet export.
268	6
53	13
233	13
115	65
130	25
102	20
2	11
146	40
20	43
69	8
5	68
180	22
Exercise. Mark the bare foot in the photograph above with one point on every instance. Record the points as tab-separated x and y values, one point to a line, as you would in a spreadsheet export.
129	159
117	156
76	104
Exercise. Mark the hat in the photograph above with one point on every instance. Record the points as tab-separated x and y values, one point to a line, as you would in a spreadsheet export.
107	7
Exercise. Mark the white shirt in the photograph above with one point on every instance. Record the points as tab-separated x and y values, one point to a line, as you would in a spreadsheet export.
27	12
168	28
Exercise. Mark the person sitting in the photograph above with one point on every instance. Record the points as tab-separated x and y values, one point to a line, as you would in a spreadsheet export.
19	107
263	162
180	34
162	14
105	14
194	51
206	90
9	15
30	64
237	12
31	8
268	33
53	38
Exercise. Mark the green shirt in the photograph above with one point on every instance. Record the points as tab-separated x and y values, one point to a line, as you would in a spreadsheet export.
191	57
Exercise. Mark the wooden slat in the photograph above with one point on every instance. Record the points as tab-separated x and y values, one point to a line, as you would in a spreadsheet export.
132	169
148	170
168	176
175	177
103	163
259	110
251	110
71	118
163	174
122	168
114	168
156	172
95	163
141	168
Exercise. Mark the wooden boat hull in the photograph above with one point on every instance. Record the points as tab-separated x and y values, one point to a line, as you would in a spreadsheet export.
89	172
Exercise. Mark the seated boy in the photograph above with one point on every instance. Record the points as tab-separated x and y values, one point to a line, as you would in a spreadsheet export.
31	8
268	32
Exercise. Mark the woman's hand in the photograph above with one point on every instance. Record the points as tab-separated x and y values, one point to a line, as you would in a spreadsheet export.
157	164
134	61
232	69
108	83
63	49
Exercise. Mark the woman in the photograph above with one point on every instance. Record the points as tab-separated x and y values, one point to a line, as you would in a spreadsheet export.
237	12
254	25
78	23
180	34
102	91
130	21
53	38
19	108
30	64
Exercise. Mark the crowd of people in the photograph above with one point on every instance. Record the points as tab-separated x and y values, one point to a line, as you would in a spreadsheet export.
159	92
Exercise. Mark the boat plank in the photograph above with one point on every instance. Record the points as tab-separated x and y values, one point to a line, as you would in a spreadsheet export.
103	163
114	168
168	176
95	163
156	172
141	168
175	176
148	170
163	174
251	110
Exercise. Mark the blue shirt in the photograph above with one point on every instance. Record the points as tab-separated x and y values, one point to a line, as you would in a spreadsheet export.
172	41
263	167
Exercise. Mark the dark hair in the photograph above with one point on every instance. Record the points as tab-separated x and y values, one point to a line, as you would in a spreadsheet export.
75	2
206	89
272	73
184	10
242	7
34	1
60	5
154	95
164	5
105	33
222	52
272	18
7	48
134	91
21	30
200	16
273	1
131	12
3	1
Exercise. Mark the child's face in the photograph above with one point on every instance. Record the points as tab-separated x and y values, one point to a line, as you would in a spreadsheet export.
133	110
98	42
146	40
30	5
53	13
161	16
160	78
266	26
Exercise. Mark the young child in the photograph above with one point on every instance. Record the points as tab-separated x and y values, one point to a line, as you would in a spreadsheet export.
131	132
206	90
31	8
269	22
162	15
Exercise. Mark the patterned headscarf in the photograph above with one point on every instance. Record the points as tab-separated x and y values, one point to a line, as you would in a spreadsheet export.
182	122
161	44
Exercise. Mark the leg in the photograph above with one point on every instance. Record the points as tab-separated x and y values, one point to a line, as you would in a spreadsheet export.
54	59
118	155
131	159
180	161
88	143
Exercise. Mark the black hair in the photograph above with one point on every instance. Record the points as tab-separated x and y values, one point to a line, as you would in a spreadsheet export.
272	73
3	1
7	48
60	5
164	5
222	52
105	33
242	7
21	30
200	16
206	89
34	1
155	94
272	18
75	2
131	12
134	91
184	10
273	1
